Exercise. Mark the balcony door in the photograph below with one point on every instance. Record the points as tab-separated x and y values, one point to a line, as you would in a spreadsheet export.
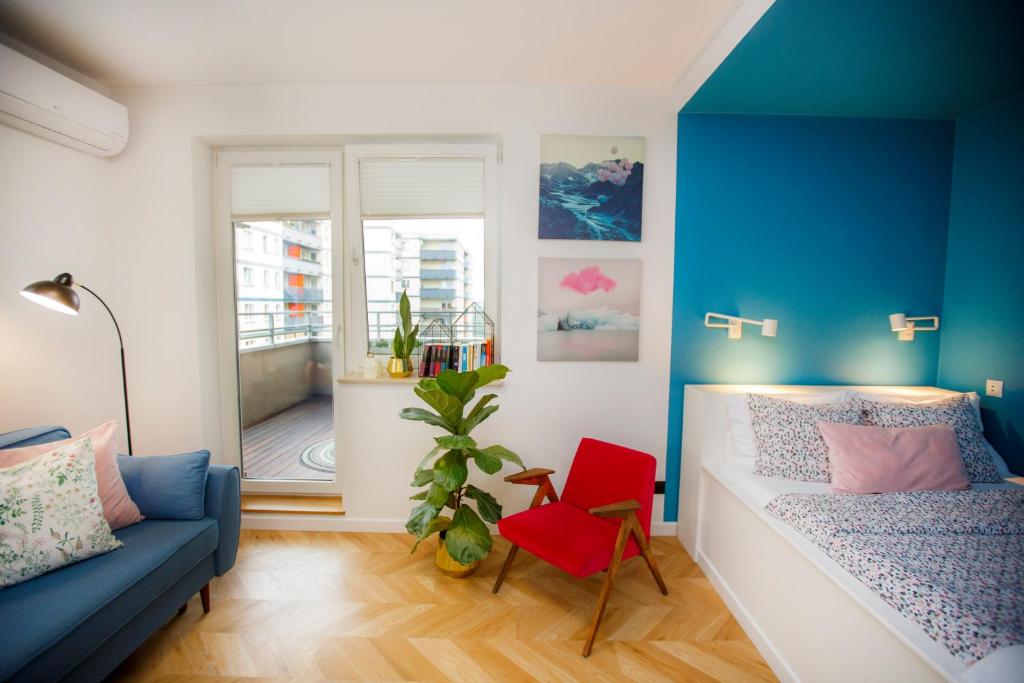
280	279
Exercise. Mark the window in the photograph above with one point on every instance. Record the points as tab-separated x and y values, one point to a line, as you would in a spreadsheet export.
266	244
247	275
266	278
425	219
277	278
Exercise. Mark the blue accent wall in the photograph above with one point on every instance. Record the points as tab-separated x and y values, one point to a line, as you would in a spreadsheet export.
983	315
826	224
881	58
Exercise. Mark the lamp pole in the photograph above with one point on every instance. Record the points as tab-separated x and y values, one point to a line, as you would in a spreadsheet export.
124	374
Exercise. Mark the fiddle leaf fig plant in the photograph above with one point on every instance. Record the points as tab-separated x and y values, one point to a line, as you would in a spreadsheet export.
405	338
443	471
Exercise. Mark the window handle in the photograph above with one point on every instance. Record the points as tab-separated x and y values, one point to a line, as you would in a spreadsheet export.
355	256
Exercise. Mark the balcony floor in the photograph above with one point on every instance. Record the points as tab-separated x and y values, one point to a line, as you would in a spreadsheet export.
272	449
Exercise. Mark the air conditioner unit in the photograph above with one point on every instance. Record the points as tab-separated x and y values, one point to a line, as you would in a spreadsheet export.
41	101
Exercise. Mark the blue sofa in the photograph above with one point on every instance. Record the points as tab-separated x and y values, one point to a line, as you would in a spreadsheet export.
78	623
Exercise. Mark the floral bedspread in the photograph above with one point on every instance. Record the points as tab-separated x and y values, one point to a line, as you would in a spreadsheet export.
951	561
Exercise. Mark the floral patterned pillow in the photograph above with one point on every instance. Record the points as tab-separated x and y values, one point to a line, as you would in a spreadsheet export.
51	514
789	443
958	412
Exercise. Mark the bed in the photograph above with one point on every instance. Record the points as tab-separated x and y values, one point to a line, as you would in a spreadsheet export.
809	616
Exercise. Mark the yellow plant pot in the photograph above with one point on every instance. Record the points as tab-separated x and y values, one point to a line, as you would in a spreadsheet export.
399	367
449	566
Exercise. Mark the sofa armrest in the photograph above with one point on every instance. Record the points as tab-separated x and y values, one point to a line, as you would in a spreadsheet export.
224	504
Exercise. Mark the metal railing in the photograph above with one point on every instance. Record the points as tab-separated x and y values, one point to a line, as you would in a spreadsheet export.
264	330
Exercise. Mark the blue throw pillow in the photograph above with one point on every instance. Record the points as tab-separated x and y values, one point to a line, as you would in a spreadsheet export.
167	486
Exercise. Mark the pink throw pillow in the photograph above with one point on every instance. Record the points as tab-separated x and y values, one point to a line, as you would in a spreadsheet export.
867	459
118	508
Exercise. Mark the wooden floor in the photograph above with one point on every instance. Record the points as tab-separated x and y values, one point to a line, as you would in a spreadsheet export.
271	448
306	606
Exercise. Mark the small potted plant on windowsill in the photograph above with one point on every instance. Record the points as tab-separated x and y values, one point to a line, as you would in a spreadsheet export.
400	363
465	539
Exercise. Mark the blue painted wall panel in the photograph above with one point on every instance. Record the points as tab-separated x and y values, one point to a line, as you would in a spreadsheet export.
983	322
828	225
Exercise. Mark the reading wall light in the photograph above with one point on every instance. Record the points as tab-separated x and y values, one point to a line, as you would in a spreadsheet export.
769	327
905	327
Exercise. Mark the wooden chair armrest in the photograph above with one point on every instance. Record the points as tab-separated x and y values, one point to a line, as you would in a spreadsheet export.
623	508
534	475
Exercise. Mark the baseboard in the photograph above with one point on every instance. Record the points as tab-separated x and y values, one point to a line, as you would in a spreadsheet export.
310	522
663	528
764	645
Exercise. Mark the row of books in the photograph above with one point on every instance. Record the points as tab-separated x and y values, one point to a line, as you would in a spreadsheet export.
460	357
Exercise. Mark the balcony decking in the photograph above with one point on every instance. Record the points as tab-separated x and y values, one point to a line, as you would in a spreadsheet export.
271	449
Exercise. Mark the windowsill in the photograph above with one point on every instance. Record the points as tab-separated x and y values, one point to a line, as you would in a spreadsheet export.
357	378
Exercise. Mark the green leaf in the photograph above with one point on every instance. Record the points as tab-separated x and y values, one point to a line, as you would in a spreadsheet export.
410	341
420	517
428	457
485	461
471	422
467	538
396	346
427	384
490	373
490	509
458	384
422	477
425	416
437	495
422	495
450	470
455	443
504	454
405	311
435	525
448	407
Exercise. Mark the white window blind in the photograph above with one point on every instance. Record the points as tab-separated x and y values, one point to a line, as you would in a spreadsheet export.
452	186
281	190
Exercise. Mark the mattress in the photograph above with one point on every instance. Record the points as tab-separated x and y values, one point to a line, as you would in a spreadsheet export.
737	474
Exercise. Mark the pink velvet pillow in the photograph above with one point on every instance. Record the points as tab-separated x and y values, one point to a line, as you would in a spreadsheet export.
865	459
118	508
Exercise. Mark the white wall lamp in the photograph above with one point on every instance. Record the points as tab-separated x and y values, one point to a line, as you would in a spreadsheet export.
905	327
769	327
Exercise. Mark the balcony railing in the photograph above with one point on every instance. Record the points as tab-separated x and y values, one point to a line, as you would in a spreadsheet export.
437	255
299	237
297	265
310	294
435	293
260	330
439	274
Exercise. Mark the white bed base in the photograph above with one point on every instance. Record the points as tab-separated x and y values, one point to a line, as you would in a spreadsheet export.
811	620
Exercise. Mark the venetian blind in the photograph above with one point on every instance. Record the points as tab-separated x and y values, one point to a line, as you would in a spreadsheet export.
300	190
444	186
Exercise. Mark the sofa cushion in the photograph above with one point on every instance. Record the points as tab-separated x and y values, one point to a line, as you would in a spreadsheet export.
66	614
167	486
33	435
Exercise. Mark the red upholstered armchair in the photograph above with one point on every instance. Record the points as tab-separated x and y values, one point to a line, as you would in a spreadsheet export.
603	518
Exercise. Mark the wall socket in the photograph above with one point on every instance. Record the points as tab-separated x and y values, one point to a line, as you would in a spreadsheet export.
994	387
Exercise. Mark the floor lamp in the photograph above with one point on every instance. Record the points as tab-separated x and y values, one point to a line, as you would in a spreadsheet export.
57	295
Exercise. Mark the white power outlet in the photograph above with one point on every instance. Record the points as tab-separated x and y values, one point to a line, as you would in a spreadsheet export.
994	387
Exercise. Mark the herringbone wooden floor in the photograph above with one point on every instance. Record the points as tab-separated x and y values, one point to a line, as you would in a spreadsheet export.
305	606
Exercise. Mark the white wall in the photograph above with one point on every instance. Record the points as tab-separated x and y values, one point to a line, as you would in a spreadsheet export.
161	235
56	214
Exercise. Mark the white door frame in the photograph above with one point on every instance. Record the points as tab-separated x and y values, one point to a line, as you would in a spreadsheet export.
226	315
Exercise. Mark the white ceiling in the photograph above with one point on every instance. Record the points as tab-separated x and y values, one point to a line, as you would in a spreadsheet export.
206	42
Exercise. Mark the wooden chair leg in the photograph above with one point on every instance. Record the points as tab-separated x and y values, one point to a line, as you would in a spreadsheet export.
606	587
505	567
204	595
652	563
181	610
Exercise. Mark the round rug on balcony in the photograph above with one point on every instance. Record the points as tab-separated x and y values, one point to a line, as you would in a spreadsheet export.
319	456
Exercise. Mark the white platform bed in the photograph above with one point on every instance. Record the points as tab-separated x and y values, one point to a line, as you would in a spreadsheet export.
809	618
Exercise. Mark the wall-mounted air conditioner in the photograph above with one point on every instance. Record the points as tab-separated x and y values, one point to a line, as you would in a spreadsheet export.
41	101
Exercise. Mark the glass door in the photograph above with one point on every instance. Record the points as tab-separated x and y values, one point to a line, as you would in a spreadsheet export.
277	269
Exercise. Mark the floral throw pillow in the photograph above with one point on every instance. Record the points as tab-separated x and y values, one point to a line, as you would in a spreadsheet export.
789	443
958	412
51	514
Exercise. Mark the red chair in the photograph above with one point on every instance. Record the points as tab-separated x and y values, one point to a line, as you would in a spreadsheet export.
603	518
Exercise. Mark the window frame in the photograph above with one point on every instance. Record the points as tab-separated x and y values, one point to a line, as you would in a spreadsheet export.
356	321
225	257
